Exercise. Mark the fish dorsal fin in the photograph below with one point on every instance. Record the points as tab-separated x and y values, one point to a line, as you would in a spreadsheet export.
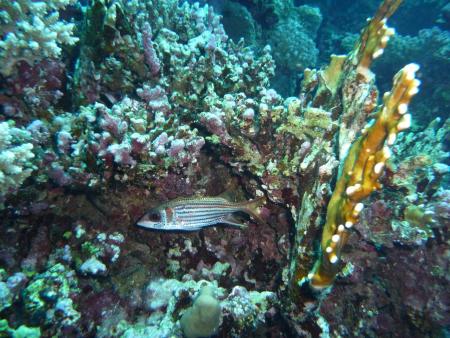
230	195
196	194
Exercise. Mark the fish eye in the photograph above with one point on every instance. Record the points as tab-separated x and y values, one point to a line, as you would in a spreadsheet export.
154	216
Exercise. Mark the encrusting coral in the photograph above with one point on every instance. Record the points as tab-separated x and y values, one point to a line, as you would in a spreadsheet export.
203	318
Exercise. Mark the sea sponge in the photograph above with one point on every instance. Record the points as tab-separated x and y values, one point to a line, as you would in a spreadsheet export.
203	318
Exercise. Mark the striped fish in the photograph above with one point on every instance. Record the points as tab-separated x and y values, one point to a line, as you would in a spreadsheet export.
195	213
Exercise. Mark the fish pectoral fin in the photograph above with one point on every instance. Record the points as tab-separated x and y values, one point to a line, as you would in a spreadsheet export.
230	220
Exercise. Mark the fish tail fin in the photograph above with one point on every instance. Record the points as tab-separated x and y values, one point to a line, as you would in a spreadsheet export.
253	208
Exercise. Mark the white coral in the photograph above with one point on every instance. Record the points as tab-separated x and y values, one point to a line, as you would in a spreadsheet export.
93	267
15	156
31	31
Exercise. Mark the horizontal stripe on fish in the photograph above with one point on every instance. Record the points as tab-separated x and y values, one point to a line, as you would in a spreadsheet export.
217	200
205	211
198	220
185	213
194	216
205	207
201	201
205	223
201	214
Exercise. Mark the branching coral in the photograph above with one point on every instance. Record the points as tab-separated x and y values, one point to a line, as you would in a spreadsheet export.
31	31
131	134
361	171
15	157
346	88
194	54
375	36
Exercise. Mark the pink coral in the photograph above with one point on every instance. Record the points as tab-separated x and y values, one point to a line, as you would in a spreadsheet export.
155	98
149	51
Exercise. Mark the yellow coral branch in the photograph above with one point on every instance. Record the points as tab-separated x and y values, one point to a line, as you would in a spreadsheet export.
375	35
360	173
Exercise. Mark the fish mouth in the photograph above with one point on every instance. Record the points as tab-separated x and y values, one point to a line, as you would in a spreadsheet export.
146	224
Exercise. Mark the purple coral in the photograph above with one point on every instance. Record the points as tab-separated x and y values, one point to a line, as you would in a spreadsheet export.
59	175
156	98
151	59
63	141
176	146
159	143
213	121
113	125
121	154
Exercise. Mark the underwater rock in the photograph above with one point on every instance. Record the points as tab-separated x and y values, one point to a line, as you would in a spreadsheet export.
203	318
244	311
93	267
21	332
47	299
5	296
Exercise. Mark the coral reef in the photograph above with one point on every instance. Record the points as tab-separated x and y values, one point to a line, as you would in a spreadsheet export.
297	50
437	42
203	318
15	158
111	108
414	34
290	30
361	169
242	311
31	31
21	331
48	298
117	139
